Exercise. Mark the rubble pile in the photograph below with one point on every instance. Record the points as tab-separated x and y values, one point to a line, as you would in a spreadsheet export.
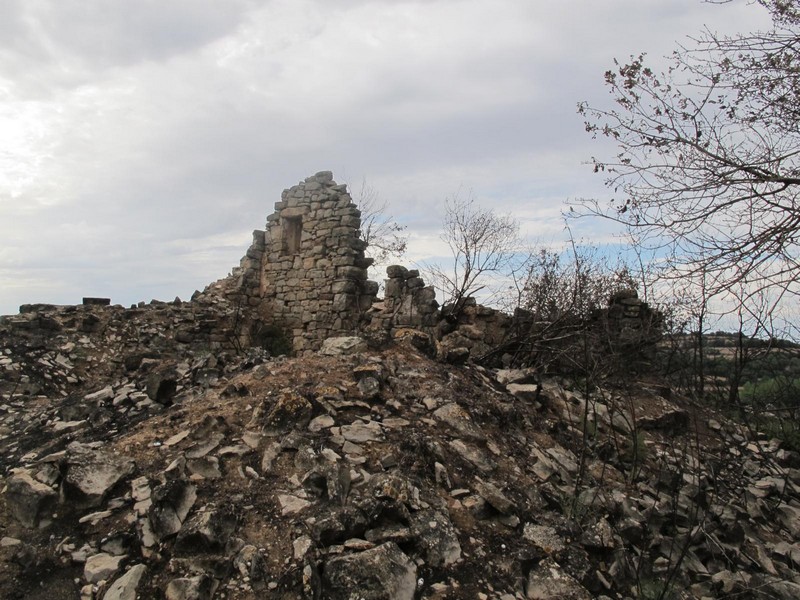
137	465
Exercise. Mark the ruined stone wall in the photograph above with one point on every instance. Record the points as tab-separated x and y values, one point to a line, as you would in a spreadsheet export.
407	302
306	274
629	322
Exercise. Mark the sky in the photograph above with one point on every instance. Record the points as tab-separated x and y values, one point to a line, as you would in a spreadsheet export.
142	141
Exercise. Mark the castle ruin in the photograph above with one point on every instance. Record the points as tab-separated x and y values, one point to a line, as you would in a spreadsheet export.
306	273
304	280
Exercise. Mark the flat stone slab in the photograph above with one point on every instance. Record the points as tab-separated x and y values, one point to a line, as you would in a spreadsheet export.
91	473
341	346
291	505
100	567
358	433
126	586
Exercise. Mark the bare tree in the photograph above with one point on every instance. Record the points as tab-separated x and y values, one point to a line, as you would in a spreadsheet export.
554	298
385	237
708	169
572	284
483	245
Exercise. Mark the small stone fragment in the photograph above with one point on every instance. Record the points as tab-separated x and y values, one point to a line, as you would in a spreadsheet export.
127	585
492	494
339	346
100	567
548	581
301	546
199	587
291	505
321	422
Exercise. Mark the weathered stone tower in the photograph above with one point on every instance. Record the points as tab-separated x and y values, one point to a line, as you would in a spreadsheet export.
306	274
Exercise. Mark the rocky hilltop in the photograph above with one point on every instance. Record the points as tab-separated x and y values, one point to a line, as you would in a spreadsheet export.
163	451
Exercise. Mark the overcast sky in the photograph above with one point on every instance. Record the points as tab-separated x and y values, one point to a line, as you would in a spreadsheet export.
141	141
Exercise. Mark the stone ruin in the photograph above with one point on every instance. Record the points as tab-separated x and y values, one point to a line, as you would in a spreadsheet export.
629	322
407	302
305	275
304	280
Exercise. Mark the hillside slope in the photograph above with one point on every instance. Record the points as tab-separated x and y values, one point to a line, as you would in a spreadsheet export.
136	462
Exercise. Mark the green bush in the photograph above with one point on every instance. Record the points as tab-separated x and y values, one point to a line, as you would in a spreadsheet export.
779	392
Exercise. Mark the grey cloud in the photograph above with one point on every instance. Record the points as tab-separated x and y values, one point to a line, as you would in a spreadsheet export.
66	42
176	146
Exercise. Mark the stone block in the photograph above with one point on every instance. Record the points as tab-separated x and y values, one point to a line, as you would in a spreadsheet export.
346	286
393	288
396	271
250	263
351	273
294	212
371	288
348	221
259	238
29	499
363	263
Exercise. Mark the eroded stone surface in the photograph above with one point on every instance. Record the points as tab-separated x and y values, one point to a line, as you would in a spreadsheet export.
382	573
548	581
91	473
171	504
101	567
125	587
29	499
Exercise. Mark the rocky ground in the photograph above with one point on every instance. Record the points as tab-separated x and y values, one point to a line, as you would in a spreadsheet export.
138	463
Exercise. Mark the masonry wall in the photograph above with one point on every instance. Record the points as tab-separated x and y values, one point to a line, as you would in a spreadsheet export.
306	273
630	324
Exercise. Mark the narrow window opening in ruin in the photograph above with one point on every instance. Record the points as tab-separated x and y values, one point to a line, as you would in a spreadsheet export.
292	229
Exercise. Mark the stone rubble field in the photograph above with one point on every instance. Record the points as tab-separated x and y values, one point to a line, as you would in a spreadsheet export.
138	463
